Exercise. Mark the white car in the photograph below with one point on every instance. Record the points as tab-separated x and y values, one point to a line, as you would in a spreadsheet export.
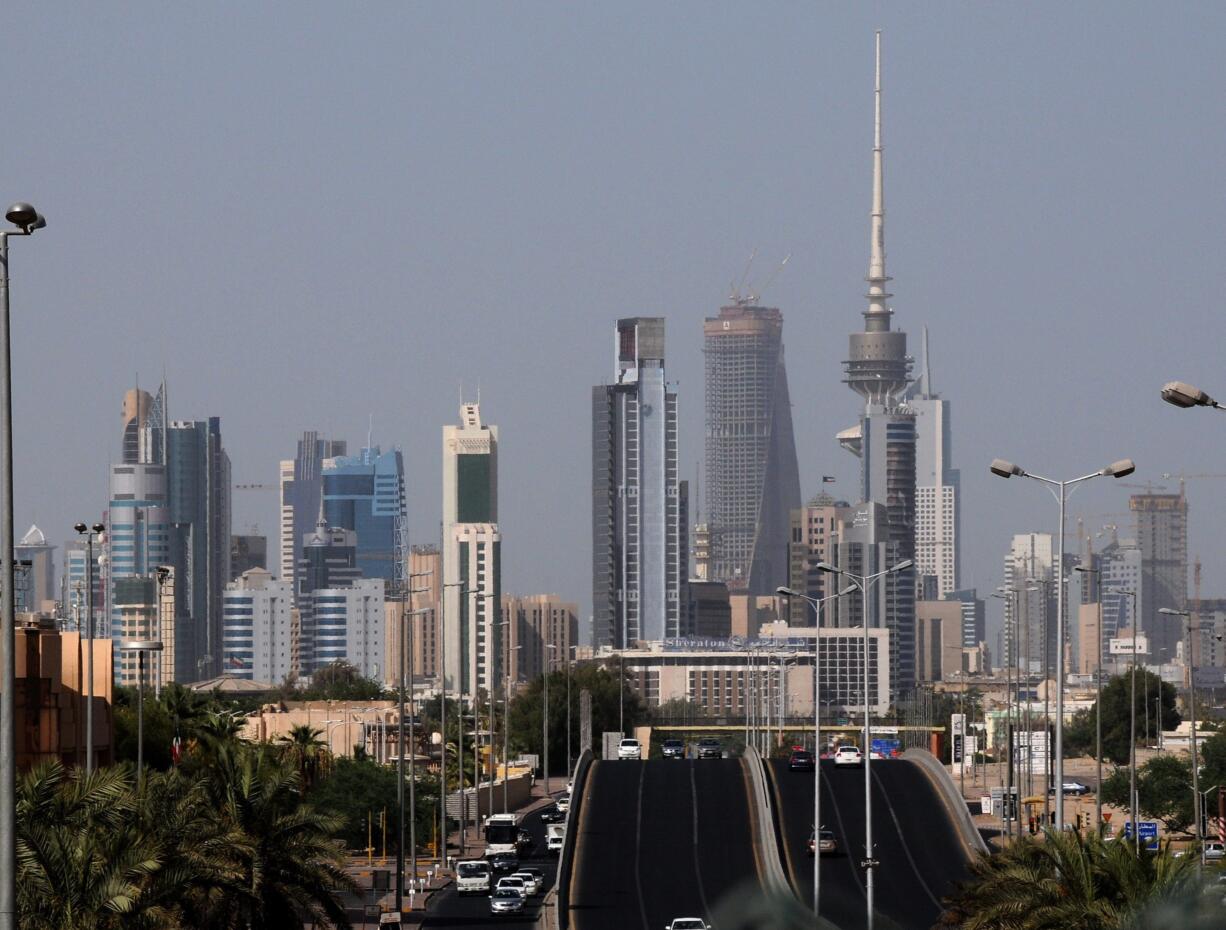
848	755
1214	850
688	923
563	804
514	882
630	749
532	884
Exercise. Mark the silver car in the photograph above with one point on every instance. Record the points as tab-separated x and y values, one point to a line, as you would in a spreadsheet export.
506	901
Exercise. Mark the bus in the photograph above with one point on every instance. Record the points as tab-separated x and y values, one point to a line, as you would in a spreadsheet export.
501	834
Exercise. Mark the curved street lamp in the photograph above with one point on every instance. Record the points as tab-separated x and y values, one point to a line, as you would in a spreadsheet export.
1006	469
1181	394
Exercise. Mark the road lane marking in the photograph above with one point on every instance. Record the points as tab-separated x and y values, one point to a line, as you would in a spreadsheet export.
834	803
903	840
638	848
702	891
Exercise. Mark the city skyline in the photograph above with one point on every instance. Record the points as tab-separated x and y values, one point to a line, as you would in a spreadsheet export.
1065	305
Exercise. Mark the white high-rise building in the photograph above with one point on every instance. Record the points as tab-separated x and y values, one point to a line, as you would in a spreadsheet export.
349	626
1030	572
471	553
285	559
937	484
257	627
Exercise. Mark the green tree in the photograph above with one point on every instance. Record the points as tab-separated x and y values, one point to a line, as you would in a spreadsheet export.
303	749
607	706
354	790
1066	882
339	681
1164	790
1080	736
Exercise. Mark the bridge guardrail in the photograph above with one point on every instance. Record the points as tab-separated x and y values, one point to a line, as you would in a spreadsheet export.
959	813
775	878
562	883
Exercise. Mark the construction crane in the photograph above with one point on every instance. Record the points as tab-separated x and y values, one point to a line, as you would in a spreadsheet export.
257	487
1184	477
751	295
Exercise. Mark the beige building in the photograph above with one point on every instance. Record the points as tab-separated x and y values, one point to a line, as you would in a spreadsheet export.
1087	638
422	618
751	612
342	725
815	529
938	640
535	621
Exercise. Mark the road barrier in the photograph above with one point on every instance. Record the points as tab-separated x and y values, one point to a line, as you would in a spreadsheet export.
561	911
948	792
774	877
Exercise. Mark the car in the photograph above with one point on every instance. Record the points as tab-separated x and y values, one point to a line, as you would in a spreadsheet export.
563	804
504	862
553	814
523	841
710	748
389	921
1215	850
506	901
688	923
514	882
1072	787
801	760
536	873
826	842
630	749
848	755
673	749
532	884
472	875
555	838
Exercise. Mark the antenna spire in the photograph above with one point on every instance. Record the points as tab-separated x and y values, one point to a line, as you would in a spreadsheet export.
878	314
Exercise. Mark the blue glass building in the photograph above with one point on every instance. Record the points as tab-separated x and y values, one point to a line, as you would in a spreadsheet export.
365	493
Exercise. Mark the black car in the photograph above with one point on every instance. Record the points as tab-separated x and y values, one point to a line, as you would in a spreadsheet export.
710	748
504	862
673	749
524	841
801	760
551	814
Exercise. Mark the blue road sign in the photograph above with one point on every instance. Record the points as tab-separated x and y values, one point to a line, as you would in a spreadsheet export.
1148	830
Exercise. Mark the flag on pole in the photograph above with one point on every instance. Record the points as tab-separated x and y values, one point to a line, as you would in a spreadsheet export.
827	479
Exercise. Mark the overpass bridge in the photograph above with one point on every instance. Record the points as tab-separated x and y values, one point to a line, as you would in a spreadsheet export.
727	840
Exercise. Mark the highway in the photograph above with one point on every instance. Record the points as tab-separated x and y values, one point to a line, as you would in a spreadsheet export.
447	909
920	853
661	839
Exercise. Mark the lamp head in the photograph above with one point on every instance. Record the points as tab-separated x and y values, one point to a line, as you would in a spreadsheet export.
1181	394
24	217
786	592
80	527
827	567
847	590
1120	469
1171	612
99	528
1084	570
1004	469
903	566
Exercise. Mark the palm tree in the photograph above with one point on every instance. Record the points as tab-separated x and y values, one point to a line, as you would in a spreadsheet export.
303	748
1065	882
83	861
288	863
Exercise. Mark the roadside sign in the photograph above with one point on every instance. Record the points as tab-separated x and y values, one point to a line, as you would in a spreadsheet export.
1148	831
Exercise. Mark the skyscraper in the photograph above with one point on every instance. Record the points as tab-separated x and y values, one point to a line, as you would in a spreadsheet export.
329	560
198	485
1030	579
639	551
1162	535
753	483
137	532
472	562
815	530
879	370
937	484
365	493
258	627
39	577
301	494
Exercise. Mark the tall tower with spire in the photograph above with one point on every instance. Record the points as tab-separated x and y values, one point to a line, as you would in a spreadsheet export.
878	369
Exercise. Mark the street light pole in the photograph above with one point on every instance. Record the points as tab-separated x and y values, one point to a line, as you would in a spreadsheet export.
1098	702
1187	615
26	219
816	604
545	722
89	533
140	647
1005	469
862	582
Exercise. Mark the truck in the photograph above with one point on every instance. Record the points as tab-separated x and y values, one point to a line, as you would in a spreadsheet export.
555	836
472	876
501	834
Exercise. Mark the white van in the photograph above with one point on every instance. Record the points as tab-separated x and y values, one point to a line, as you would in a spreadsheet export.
472	876
555	836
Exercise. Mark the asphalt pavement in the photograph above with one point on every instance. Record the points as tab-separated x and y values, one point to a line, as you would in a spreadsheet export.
447	908
661	839
920	854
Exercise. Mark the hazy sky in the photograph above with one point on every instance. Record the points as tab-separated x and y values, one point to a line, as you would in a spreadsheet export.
311	213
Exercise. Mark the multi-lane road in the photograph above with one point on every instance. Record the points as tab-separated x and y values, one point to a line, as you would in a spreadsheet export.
661	839
921	855
449	909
